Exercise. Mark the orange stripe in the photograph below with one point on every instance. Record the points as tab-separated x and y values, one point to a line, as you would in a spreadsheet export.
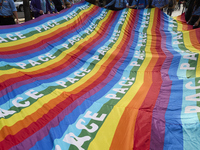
186	27
193	38
12	130
64	60
142	134
41	111
124	134
52	34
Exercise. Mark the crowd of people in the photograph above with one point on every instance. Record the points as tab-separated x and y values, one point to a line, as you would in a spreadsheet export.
141	4
192	15
40	7
168	5
191	8
8	11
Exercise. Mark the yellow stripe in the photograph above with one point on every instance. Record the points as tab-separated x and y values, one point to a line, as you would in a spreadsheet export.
57	59
180	26
29	110
51	30
179	23
198	67
41	101
109	126
188	45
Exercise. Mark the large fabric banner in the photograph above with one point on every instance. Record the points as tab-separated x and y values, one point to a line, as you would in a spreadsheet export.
91	78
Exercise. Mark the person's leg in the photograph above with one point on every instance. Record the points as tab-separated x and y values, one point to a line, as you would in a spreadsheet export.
179	4
193	20
1	21
170	12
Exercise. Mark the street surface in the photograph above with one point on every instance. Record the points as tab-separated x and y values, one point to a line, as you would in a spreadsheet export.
20	14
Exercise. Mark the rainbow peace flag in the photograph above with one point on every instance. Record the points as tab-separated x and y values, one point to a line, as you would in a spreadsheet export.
90	78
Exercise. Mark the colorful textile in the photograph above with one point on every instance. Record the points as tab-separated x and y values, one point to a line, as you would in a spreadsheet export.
91	78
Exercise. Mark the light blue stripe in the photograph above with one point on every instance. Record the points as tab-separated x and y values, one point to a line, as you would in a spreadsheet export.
173	128
27	28
45	84
190	121
96	106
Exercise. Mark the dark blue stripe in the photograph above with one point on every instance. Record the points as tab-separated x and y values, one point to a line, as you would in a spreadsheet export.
173	127
62	127
33	82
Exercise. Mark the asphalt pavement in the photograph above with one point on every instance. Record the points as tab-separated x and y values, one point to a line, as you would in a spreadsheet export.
21	16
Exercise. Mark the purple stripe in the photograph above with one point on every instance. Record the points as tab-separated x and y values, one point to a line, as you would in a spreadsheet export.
39	135
158	118
9	56
28	22
35	20
74	63
28	81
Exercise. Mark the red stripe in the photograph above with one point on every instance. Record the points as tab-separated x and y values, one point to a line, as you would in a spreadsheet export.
181	18
198	34
194	36
143	122
66	61
53	36
22	135
197	38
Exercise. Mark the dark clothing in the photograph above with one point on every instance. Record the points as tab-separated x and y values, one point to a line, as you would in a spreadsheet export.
91	1
36	7
188	12
159	3
169	11
118	4
7	20
195	17
170	7
140	4
58	5
53	8
6	12
110	7
171	3
193	20
150	1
